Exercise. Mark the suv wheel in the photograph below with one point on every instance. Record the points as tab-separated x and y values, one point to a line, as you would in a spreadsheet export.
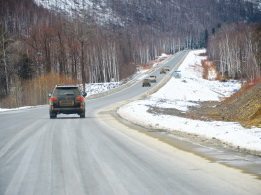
82	115
53	115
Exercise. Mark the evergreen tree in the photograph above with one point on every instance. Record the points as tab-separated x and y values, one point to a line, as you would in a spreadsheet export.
25	68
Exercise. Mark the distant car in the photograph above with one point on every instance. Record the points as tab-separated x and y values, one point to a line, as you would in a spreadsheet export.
167	68
67	99
146	82
153	79
163	71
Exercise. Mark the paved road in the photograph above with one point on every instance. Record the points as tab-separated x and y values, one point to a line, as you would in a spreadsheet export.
100	155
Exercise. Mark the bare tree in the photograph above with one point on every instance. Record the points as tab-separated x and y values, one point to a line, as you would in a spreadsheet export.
5	42
235	51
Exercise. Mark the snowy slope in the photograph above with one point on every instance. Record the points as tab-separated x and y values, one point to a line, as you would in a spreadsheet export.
256	2
99	11
124	12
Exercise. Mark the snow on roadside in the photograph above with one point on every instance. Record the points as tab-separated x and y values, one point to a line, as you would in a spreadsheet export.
95	88
179	93
91	89
20	108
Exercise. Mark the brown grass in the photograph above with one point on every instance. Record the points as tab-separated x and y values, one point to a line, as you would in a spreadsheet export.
244	106
35	91
208	67
202	54
252	83
243	90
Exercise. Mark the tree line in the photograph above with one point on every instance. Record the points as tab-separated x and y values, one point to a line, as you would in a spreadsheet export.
236	50
36	44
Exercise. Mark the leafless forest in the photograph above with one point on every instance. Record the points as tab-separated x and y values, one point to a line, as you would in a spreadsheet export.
236	50
40	48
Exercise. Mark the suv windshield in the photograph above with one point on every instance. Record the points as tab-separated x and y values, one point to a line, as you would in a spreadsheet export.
66	91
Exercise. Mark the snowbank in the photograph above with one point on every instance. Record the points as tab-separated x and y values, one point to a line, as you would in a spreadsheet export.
179	93
95	88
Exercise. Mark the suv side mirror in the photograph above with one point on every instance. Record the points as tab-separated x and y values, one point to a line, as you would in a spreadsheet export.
49	95
84	94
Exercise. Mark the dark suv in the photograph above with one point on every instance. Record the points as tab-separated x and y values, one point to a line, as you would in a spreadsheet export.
146	82
67	99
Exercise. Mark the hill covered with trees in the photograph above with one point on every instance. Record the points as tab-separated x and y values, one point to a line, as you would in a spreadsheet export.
99	41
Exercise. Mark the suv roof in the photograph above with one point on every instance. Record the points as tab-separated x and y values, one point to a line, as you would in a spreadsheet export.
64	86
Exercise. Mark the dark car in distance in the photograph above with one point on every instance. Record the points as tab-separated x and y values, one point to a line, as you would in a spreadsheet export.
146	82
167	68
67	99
163	71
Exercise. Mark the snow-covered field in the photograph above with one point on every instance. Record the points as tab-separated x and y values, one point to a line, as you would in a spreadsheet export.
179	93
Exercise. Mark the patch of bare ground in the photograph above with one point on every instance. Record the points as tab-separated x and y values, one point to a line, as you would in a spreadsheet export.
243	107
